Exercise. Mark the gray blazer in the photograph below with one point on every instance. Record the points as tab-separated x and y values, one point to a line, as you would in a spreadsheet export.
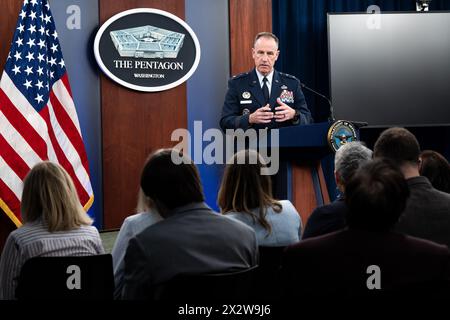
193	239
427	213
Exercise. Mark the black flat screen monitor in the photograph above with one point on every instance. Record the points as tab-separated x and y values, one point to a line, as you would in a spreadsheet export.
390	69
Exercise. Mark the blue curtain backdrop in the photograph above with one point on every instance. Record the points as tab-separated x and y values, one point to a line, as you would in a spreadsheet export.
301	26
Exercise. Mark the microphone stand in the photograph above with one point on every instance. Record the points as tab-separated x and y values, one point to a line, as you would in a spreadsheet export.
331	118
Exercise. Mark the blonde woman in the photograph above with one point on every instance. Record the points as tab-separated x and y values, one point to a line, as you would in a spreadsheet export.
55	224
246	195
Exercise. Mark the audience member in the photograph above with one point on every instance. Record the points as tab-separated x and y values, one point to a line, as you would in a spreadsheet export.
427	213
246	195
331	217
131	226
55	224
436	168
367	258
191	239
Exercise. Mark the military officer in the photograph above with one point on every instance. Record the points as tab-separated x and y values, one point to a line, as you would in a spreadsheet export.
264	97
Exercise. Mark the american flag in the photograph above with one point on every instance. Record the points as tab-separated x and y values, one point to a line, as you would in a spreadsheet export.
38	120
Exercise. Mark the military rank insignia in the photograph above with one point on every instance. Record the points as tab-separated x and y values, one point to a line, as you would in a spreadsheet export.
287	96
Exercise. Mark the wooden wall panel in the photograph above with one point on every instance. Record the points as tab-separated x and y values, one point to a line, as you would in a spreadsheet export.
247	18
134	124
10	13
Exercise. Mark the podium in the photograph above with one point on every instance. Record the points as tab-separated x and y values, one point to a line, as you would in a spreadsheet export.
300	178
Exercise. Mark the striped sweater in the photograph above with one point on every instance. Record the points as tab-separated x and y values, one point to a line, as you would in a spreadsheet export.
34	240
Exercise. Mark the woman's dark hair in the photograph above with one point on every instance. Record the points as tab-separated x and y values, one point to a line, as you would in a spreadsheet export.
376	196
243	188
170	185
436	168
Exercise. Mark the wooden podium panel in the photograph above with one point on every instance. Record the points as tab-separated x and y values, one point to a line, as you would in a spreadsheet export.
301	177
309	189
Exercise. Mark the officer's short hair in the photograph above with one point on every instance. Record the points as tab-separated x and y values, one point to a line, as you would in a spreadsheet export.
266	35
349	158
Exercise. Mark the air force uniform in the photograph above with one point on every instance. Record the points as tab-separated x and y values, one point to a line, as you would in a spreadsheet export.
245	96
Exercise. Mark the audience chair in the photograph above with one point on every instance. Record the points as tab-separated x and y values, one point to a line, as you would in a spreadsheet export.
215	287
267	277
270	257
63	278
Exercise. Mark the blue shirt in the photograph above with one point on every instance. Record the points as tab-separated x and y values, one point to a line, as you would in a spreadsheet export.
131	226
286	225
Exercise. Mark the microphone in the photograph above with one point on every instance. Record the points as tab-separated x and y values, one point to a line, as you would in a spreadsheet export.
331	118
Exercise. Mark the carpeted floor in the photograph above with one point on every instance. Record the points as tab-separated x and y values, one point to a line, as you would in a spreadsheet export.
108	239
